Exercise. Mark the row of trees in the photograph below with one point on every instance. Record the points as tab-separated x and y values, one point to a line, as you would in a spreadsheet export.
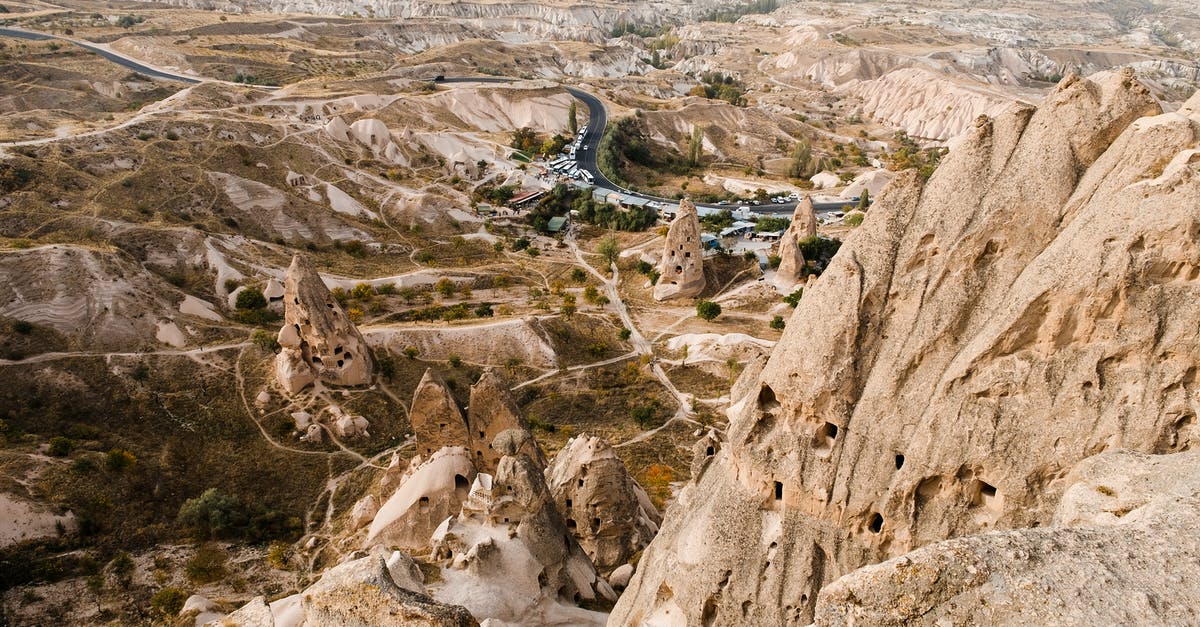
563	198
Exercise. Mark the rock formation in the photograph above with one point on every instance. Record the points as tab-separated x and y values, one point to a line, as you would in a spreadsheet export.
1122	552
491	412
1032	304
436	419
791	265
431	491
605	509
508	555
318	341
681	268
366	591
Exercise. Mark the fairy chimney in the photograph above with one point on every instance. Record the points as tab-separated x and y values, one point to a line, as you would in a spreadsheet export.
681	268
317	338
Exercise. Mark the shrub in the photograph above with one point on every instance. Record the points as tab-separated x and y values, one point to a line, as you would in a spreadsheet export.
644	267
265	341
362	291
520	244
60	446
484	310
387	366
708	310
455	360
750	255
230	285
591	294
854	219
773	261
211	514
168	602
609	249
793	299
778	323
410	352
624	334
251	298
278	555
119	459
207	565
646	416
532	252
597	349
578	275
445	287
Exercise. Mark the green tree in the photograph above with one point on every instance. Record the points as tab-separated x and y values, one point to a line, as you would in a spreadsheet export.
169	601
212	514
251	298
778	323
864	201
609	249
572	121
696	146
708	310
801	165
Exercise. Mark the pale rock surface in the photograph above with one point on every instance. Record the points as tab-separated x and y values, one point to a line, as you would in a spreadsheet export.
507	555
1122	551
491	412
609	514
256	613
364	511
1034	303
431	492
362	592
317	338
825	180
347	425
681	267
872	182
803	226
436	420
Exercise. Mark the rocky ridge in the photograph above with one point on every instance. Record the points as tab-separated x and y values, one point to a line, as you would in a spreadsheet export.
1031	305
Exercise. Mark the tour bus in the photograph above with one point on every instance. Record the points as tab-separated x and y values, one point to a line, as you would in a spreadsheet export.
587	176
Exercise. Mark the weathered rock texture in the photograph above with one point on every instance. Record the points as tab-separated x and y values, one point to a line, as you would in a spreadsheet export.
605	509
508	555
318	339
436	419
1122	552
431	491
791	265
364	592
681	267
1035	303
491	412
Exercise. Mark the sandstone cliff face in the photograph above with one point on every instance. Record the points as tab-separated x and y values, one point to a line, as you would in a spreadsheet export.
1032	305
1122	552
436	419
681	267
605	509
491	412
318	339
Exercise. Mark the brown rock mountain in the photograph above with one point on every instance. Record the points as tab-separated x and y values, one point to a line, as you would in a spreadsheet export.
1033	304
681	267
436	419
491	412
791	264
318	339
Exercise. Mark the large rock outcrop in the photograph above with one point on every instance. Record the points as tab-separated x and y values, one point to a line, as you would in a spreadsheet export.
431	491
436	420
605	509
508	555
681	268
317	338
492	411
1122	552
1035	303
792	265
371	590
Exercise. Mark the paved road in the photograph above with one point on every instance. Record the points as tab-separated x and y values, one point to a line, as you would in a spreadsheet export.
586	155
119	59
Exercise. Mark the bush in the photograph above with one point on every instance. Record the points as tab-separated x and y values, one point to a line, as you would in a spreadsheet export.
279	554
793	299
708	310
578	275
60	446
854	219
455	360
230	285
778	323
168	602
207	565
387	366
212	514
484	310
265	341
251	298
646	416
119	459
520	244
445	287
362	291
644	267
410	352
624	334
773	261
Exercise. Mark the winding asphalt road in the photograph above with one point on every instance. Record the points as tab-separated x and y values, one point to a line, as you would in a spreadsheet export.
119	59
585	156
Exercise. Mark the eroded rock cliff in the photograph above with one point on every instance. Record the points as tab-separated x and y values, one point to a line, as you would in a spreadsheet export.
1035	303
